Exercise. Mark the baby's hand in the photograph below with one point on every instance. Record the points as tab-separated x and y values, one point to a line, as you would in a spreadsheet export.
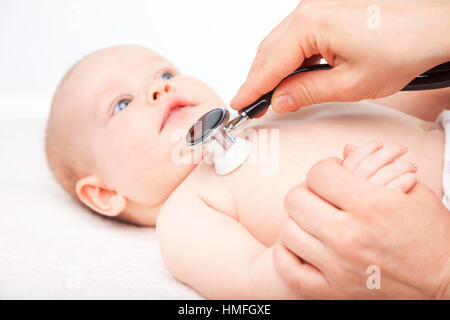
377	164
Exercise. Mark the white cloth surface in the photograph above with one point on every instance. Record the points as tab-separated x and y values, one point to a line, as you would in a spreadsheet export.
53	248
444	120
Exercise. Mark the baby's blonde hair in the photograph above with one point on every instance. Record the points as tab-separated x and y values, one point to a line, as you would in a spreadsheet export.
65	156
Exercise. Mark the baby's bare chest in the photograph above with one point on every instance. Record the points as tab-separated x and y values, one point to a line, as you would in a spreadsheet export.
260	185
281	157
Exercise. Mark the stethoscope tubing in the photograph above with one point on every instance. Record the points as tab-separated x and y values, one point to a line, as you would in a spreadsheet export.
435	78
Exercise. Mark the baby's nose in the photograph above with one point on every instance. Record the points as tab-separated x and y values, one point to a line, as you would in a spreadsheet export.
157	90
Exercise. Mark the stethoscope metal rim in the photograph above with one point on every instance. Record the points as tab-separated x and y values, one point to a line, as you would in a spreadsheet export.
212	133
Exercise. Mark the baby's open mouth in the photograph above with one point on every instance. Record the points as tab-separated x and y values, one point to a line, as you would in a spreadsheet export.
173	106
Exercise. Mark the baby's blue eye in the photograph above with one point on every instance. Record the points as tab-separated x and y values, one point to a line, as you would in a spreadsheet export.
166	76
121	105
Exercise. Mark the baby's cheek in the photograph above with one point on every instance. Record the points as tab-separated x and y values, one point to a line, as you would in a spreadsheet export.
114	162
140	165
132	156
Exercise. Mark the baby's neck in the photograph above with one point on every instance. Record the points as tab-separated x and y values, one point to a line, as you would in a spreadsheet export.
141	214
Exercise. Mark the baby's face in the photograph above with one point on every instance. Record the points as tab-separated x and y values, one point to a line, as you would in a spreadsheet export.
128	95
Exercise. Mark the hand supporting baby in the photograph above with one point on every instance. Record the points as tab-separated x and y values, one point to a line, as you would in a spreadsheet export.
345	216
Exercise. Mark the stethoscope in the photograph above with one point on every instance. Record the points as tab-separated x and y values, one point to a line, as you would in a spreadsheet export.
216	126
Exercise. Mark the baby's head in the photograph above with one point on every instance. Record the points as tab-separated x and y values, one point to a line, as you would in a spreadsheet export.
109	142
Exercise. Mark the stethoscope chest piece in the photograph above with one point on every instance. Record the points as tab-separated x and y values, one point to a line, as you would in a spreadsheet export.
209	127
229	161
212	133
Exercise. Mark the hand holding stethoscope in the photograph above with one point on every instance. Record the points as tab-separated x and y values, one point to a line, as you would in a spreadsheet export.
375	48
216	125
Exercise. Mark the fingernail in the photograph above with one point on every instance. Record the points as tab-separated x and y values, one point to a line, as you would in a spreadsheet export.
378	143
284	103
403	147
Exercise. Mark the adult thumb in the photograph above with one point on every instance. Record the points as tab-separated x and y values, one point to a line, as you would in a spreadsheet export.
309	88
423	193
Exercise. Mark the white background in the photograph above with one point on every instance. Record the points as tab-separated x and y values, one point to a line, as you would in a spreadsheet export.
212	40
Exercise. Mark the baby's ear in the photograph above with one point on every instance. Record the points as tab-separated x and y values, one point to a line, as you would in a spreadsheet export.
96	195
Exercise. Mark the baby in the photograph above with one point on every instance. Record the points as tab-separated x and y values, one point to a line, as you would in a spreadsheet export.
110	144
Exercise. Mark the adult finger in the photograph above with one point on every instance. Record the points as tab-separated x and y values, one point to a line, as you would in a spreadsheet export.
269	42
302	277
281	61
424	194
309	61
311	87
341	188
312	213
303	244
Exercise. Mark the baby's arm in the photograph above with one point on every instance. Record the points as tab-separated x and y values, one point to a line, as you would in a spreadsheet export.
214	253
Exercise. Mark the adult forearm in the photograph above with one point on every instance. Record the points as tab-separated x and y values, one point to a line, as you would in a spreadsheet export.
429	39
426	105
442	38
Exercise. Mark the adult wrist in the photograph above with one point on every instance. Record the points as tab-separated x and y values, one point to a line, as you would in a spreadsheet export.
429	26
443	291
425	43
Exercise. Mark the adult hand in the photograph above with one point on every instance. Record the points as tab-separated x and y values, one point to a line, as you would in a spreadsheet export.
376	47
343	226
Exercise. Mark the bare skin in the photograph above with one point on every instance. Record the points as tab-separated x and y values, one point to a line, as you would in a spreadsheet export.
375	48
214	234
241	239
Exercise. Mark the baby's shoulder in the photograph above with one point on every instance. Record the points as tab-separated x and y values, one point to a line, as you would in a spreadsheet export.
211	188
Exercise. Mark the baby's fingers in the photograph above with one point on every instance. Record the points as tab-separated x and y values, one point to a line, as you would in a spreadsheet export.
377	164
393	171
403	183
353	160
381	158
